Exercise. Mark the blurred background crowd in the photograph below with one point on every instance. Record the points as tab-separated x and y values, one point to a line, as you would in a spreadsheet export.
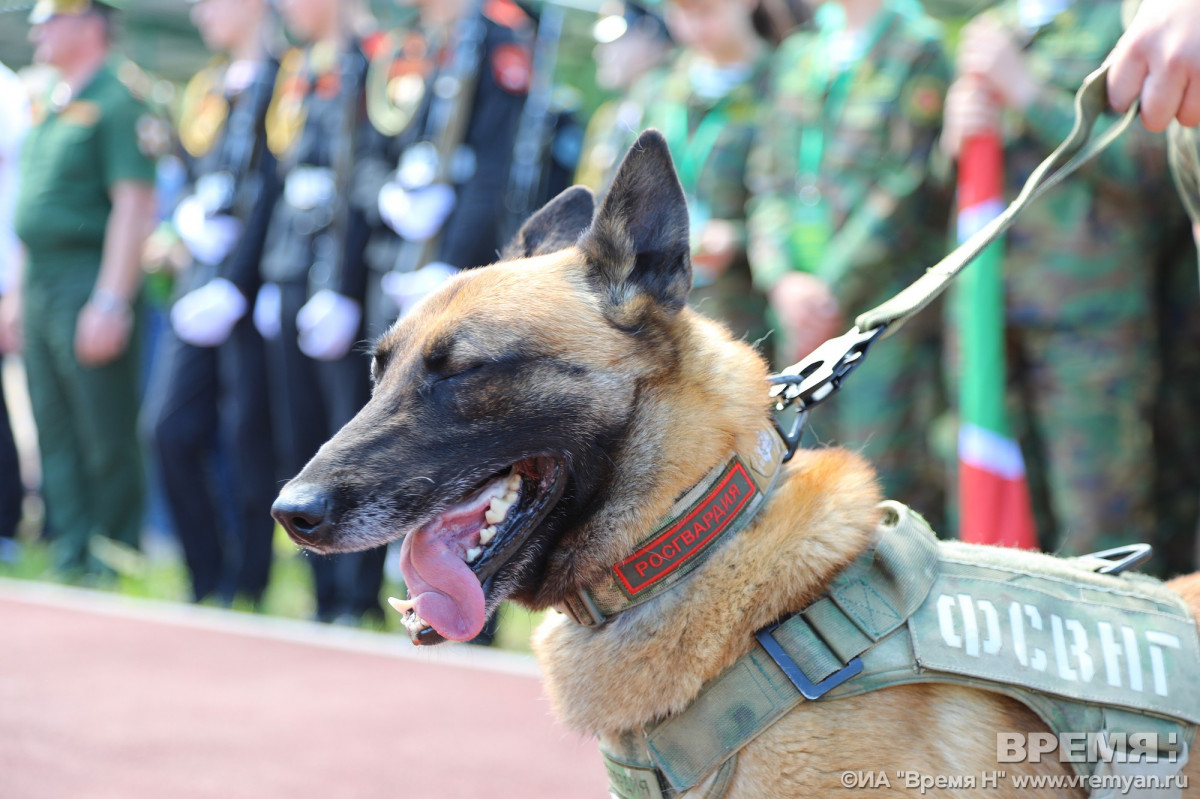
209	209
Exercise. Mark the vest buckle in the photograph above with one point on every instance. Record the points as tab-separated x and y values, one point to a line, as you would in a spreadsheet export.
807	688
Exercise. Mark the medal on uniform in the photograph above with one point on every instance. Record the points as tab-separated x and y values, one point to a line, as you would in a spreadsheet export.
286	113
203	113
396	79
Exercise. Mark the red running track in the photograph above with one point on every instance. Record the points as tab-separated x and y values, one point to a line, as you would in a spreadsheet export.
108	698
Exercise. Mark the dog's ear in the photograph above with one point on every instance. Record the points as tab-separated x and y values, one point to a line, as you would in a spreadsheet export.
638	243
556	225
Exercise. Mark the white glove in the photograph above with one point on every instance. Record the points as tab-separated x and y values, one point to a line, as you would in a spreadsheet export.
205	317
406	289
209	238
328	325
419	214
268	311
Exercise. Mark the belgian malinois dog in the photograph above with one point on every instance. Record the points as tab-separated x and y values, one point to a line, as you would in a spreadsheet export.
534	420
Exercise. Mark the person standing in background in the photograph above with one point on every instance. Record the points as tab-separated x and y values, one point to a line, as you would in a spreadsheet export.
206	416
846	211
631	42
85	208
1080	271
708	104
441	183
14	122
310	308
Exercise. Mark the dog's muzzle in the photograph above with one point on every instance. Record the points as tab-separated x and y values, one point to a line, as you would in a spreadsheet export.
304	511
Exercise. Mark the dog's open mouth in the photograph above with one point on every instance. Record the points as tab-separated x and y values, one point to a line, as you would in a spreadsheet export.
448	560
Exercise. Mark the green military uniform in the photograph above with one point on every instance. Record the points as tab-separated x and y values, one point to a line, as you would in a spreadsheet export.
82	146
710	134
1177	414
1185	166
1080	271
843	190
605	141
710	129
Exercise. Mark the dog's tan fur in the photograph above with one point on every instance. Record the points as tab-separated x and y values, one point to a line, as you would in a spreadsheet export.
686	395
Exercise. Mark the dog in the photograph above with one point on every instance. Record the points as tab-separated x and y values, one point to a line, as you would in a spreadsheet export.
533	421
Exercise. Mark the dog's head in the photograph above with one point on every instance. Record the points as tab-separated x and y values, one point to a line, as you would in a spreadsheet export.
507	430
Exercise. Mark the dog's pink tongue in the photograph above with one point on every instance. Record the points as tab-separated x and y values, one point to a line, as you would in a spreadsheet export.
446	592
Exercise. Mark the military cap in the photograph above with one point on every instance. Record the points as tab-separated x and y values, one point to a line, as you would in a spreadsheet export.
45	9
617	18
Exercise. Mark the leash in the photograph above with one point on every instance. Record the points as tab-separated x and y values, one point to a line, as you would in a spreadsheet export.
812	380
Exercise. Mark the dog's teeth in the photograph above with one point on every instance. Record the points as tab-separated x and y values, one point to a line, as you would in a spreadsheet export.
510	496
486	535
473	554
413	623
497	511
513	482
401	605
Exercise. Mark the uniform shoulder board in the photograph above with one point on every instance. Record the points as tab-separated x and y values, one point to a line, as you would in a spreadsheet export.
512	67
506	13
203	110
285	114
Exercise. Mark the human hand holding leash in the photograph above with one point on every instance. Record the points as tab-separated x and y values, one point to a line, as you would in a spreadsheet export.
1158	61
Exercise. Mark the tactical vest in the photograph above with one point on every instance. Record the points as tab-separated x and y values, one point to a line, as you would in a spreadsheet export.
1117	656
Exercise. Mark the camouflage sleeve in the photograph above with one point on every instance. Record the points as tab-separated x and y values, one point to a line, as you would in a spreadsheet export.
1138	155
771	163
1184	152
893	220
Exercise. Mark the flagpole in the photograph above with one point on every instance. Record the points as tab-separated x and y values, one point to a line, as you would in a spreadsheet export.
993	496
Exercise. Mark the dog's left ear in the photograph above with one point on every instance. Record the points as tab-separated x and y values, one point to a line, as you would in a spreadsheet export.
556	225
638	247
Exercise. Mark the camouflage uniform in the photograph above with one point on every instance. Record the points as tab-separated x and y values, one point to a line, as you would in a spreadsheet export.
1177	415
717	134
1185	166
1080	272
883	223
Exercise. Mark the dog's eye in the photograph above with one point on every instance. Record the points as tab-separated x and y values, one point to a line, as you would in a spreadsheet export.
454	372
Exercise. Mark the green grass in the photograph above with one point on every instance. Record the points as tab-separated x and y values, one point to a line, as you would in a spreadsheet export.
289	593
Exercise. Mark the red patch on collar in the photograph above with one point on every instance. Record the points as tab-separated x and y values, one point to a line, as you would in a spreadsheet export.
689	536
512	67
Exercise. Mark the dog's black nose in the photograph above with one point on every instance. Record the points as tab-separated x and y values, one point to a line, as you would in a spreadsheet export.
304	513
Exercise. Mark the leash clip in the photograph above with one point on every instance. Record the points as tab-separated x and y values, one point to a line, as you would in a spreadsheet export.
816	377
